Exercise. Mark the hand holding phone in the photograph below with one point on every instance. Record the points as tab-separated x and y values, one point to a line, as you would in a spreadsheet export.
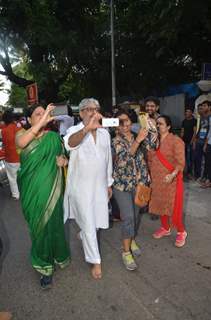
143	120
47	116
94	122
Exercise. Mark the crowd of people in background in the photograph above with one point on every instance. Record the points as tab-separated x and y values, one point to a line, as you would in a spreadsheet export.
196	134
105	168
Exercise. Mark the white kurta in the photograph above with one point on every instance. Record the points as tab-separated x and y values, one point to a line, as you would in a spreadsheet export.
88	178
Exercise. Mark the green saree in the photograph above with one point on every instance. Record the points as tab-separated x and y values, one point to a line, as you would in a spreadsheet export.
41	185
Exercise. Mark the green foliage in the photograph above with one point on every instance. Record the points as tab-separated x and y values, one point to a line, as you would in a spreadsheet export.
17	94
17	97
66	44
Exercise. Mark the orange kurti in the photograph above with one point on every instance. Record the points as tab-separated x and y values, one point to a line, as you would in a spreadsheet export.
163	194
8	139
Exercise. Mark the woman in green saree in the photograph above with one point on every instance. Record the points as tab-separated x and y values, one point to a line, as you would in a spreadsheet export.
41	184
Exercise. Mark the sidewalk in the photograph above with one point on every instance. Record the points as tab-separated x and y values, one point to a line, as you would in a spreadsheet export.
170	283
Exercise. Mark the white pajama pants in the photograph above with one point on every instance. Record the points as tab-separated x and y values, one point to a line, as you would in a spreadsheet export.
11	169
90	246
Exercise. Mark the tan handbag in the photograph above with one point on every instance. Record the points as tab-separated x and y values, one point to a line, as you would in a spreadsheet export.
142	195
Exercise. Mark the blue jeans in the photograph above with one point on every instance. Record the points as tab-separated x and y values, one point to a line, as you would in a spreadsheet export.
198	156
129	213
208	162
189	158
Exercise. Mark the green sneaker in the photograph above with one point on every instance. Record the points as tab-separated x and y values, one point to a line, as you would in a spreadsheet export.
128	261
136	251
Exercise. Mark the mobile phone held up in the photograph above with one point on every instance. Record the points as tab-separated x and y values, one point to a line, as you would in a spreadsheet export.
110	122
143	120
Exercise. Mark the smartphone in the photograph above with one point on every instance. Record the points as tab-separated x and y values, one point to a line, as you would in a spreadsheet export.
110	122
54	113
143	116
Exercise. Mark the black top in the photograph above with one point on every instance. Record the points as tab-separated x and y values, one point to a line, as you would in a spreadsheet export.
188	126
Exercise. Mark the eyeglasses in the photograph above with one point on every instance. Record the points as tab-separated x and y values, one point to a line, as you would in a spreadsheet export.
91	109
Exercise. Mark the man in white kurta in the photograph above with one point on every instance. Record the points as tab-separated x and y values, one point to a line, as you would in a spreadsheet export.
89	179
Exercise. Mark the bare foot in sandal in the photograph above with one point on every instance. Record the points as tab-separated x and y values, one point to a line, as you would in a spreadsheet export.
97	271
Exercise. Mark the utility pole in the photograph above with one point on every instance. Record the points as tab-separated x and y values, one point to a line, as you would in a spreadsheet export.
113	76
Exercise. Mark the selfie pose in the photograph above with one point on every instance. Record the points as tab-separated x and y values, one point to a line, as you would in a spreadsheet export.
130	169
41	185
89	179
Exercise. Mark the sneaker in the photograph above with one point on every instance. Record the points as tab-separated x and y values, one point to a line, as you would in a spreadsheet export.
46	282
180	239
136	251
128	261
161	232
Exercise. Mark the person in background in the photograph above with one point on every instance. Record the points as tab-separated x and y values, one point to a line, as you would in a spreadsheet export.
188	133
115	109
65	122
135	128
197	115
41	184
18	119
89	180
12	161
200	139
152	107
207	152
166	166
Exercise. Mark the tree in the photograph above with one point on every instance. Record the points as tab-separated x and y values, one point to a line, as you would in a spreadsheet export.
66	45
17	94
59	38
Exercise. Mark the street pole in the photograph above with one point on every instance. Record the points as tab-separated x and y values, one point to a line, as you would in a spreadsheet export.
113	78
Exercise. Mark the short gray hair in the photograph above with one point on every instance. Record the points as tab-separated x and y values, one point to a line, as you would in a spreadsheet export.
85	102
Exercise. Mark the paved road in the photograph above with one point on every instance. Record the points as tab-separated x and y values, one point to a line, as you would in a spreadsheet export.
169	284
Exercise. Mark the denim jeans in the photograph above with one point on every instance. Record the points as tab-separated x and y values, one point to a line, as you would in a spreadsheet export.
129	213
208	162
198	156
189	158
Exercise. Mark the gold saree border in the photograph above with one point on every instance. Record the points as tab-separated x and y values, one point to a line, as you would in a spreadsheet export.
46	271
34	143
